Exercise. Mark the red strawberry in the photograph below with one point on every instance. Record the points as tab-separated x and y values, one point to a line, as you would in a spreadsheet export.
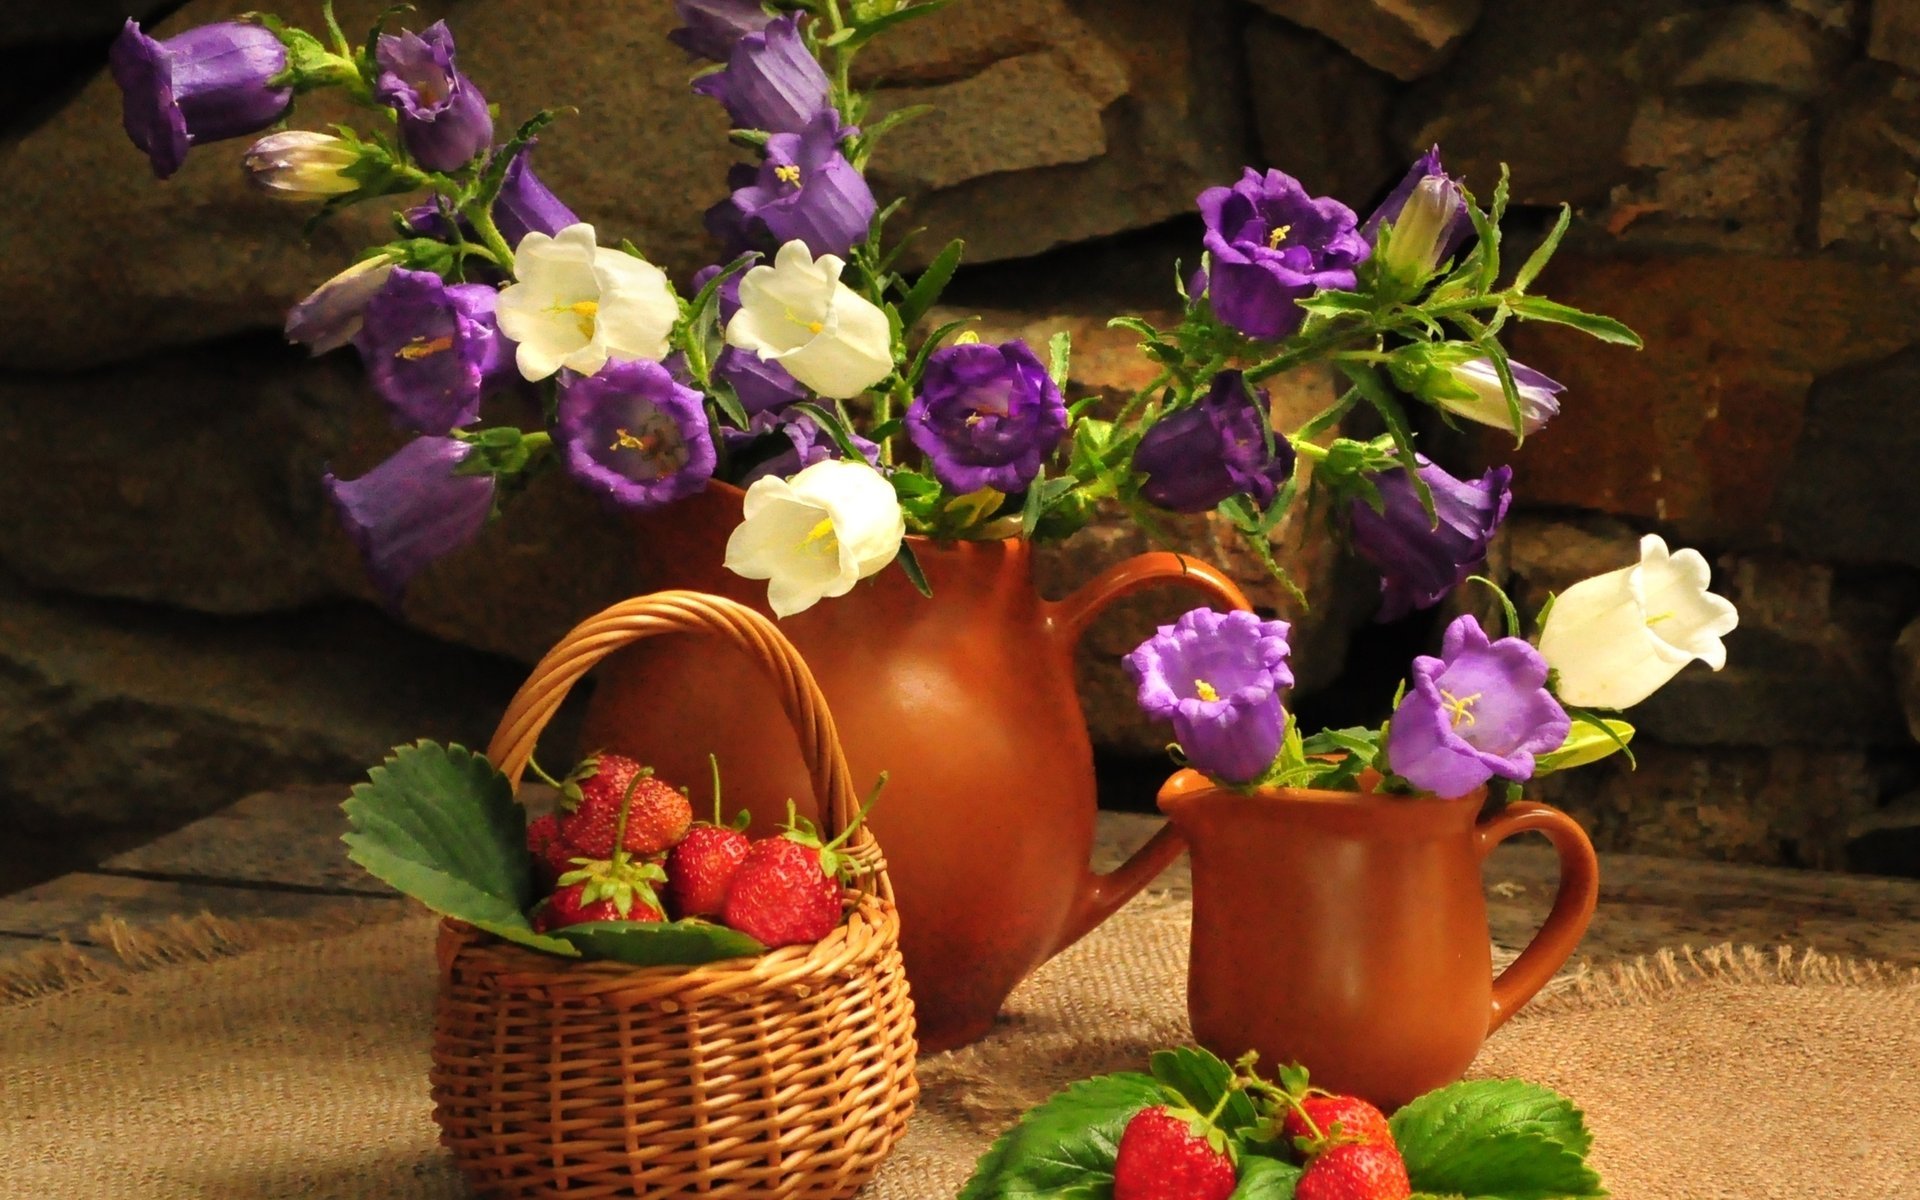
552	854
1355	1172
657	817
569	906
1162	1158
1357	1120
781	895
700	869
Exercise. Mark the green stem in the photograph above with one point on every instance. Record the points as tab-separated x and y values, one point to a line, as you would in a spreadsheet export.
1306	449
480	216
533	765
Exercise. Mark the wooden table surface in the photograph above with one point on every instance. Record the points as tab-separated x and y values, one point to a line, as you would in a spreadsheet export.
277	854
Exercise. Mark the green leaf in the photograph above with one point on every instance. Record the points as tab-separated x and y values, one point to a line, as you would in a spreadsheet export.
1501	1139
1376	394
1064	1149
1202	1079
1059	358
494	177
440	824
1266	1179
658	943
1536	308
926	290
1582	747
1537	261
934	339
910	563
831	425
1506	604
899	116
855	37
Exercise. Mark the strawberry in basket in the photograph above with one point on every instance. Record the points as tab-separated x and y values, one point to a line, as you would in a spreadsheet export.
600	851
787	890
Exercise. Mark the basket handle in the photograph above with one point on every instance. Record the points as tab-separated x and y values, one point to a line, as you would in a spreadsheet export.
697	612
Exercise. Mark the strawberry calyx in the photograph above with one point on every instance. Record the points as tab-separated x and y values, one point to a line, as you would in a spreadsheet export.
619	879
833	863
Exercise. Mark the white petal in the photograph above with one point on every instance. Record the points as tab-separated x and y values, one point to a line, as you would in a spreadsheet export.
864	508
848	357
588	358
763	545
763	493
638	322
536	360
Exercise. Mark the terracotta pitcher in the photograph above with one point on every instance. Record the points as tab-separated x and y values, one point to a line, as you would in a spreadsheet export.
967	701
1347	931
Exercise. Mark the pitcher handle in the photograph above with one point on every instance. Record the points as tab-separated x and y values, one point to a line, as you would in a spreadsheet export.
1573	903
1100	896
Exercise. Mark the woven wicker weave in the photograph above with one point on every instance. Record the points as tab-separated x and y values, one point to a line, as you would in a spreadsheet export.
787	1075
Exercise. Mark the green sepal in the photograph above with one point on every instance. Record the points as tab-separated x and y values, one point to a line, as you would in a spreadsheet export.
1205	1084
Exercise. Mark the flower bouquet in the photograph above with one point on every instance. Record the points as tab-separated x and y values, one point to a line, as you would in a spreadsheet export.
806	344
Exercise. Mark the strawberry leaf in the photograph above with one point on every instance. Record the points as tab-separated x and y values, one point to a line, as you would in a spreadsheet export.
1201	1080
1065	1147
439	824
1266	1179
1501	1139
659	943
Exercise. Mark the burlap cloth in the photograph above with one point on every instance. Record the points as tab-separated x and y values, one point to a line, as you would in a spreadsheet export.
298	1068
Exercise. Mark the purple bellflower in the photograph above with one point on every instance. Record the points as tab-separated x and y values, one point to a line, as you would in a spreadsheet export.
209	83
1270	245
807	445
1420	562
805	190
987	416
1217	678
770	82
411	509
633	435
710	28
432	349
1213	450
1480	710
443	117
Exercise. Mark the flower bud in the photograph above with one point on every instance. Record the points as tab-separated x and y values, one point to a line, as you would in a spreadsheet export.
1426	219
300	164
333	313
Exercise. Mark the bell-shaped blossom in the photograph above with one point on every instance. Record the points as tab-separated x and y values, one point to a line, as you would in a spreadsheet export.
1217	678
814	536
1419	560
411	509
797	313
444	120
209	83
1476	394
1269	246
804	190
710	28
299	164
1616	638
1212	450
433	350
577	304
987	416
1427	216
333	313
634	436
770	81
1480	710
805	444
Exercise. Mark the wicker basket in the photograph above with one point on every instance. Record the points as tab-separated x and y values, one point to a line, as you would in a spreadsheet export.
787	1075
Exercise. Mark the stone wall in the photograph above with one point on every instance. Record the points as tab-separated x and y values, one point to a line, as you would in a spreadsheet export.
176	608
